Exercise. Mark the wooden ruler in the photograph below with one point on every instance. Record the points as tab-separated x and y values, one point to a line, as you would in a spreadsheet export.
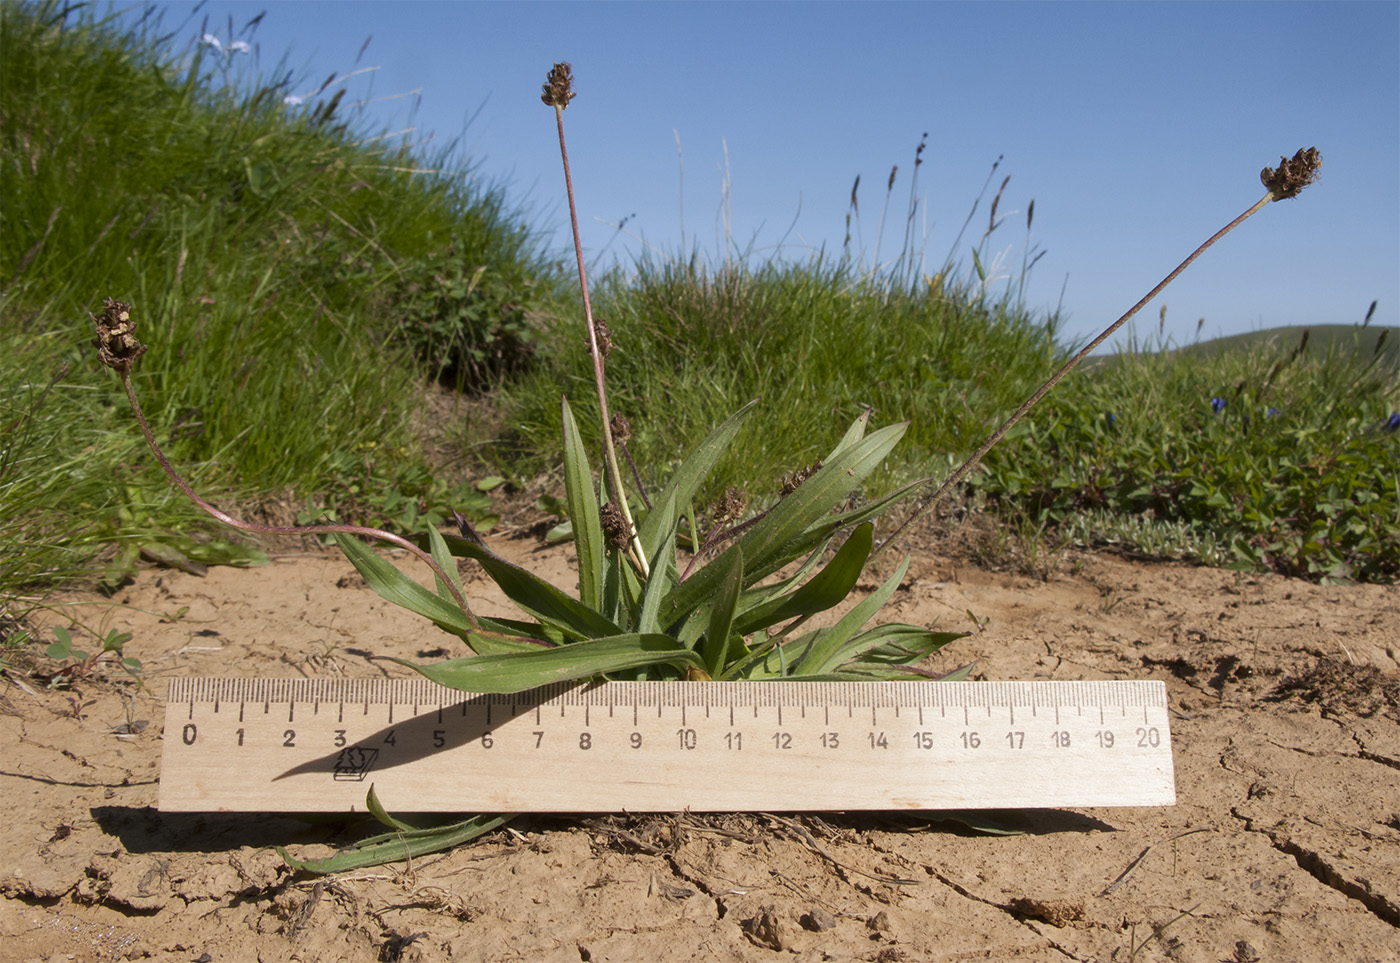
317	745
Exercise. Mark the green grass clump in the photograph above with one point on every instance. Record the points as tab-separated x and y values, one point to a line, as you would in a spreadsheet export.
297	277
1262	457
814	341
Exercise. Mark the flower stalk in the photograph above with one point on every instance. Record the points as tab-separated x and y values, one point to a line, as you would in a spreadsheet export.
117	345
557	92
1287	181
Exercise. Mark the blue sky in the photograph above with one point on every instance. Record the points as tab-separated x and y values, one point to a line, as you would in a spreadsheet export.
1137	128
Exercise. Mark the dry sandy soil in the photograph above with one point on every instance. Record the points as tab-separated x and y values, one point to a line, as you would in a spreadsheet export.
1284	844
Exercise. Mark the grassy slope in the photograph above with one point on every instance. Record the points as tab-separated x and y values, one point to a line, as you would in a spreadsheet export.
814	342
285	271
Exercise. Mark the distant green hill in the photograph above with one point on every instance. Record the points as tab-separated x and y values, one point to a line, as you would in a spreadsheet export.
1348	341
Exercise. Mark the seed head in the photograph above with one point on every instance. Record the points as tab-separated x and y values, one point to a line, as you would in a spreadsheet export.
621	429
558	89
116	335
730	507
791	483
615	528
1293	174
603	334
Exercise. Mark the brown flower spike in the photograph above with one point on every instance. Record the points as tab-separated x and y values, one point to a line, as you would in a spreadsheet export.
1293	174
616	529
558	89
791	483
730	507
603	334
621	429
116	335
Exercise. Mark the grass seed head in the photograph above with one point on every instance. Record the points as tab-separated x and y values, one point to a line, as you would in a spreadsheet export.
558	89
1293	174
116	335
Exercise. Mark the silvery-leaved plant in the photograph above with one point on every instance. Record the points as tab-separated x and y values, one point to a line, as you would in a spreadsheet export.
735	606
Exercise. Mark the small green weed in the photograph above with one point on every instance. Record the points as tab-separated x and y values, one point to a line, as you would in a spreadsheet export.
79	662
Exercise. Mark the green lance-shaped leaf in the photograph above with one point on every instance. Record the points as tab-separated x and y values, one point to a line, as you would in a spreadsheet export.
391	584
622	591
686	480
827	588
658	583
959	674
517	671
813	537
832	648
765	593
539	598
398	588
853	434
404	844
897	644
841	474
583	512
783	533
770	660
716	645
887	651
438	548
377	810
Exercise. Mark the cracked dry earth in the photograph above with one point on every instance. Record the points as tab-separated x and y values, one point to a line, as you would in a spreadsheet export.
1284	844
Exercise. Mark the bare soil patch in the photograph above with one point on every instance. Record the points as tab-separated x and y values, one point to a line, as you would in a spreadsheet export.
1284	845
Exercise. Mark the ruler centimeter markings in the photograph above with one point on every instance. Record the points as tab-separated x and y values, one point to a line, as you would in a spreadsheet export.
317	745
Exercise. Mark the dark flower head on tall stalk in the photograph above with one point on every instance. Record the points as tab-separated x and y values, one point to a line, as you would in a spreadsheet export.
1293	174
558	88
557	91
1288	180
116	336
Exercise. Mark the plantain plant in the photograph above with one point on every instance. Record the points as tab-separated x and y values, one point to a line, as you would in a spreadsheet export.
664	591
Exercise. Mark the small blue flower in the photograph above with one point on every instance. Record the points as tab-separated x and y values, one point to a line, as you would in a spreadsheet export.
1217	404
1392	423
1112	419
1270	412
209	40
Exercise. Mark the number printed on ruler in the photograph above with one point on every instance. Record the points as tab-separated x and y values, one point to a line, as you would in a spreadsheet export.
317	746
